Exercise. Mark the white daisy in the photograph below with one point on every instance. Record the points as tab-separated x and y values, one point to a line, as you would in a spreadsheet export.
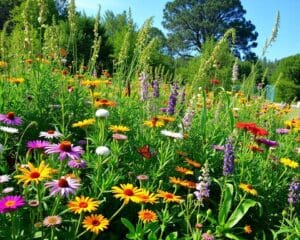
102	113
4	178
50	134
172	134
9	129
102	150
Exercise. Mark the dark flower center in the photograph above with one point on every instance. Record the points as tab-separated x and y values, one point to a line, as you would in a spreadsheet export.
250	187
128	192
169	195
11	115
50	131
95	223
83	205
63	183
65	146
35	175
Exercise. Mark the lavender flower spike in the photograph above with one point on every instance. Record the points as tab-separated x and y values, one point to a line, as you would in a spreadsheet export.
228	158
294	192
172	100
144	86
155	85
204	184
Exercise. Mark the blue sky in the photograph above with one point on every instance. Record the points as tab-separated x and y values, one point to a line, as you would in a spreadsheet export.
261	13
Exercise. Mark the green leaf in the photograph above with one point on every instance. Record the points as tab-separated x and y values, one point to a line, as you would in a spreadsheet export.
128	224
225	205
232	236
152	236
240	212
172	236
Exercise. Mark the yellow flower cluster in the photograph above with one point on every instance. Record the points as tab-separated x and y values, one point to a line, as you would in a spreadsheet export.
289	163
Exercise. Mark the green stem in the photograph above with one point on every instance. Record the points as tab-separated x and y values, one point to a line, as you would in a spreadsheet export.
78	224
117	212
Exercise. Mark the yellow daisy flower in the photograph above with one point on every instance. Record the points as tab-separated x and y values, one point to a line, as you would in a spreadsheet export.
95	223
84	123
127	192
34	174
154	122
169	197
184	170
83	204
166	119
290	163
147	197
248	188
118	128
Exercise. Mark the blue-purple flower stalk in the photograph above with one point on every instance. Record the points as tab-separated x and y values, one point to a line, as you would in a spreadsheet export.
144	86
204	183
188	118
294	191
170	110
155	85
228	158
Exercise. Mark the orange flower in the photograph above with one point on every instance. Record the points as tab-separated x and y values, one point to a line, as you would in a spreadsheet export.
147	216
184	170
192	163
169	197
181	182
248	229
127	192
146	197
248	188
104	103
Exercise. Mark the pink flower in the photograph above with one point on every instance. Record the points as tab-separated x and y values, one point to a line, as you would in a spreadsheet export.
11	203
63	186
10	119
65	149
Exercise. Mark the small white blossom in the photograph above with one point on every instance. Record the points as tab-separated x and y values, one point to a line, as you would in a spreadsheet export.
9	129
102	150
172	134
4	178
102	113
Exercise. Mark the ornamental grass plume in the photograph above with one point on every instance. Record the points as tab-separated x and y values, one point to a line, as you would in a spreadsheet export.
228	158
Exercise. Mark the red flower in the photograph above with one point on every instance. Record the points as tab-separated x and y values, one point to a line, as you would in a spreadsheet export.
257	131
245	125
215	81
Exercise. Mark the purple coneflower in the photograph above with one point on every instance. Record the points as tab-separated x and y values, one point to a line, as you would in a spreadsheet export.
65	149
267	142
63	186
10	119
37	144
282	130
77	163
228	158
11	203
294	191
204	184
50	134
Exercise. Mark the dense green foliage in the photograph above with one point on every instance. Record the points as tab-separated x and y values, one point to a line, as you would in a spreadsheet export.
191	23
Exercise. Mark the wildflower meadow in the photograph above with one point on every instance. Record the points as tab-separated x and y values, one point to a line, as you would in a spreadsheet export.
134	152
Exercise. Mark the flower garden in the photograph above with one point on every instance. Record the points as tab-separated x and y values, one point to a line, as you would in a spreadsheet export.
87	155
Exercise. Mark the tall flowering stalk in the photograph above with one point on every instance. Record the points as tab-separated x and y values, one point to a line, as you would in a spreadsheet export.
294	192
155	86
172	100
204	184
144	86
228	158
188	118
235	72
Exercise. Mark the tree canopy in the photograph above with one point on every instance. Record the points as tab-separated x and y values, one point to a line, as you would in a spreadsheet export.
192	22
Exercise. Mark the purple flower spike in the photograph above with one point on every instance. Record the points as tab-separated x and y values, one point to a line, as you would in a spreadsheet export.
294	191
228	158
267	142
204	184
10	119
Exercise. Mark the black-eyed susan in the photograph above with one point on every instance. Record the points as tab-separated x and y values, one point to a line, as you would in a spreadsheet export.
184	170
118	128
147	216
104	103
289	163
248	188
84	123
169	197
95	223
127	192
83	204
154	122
34	174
